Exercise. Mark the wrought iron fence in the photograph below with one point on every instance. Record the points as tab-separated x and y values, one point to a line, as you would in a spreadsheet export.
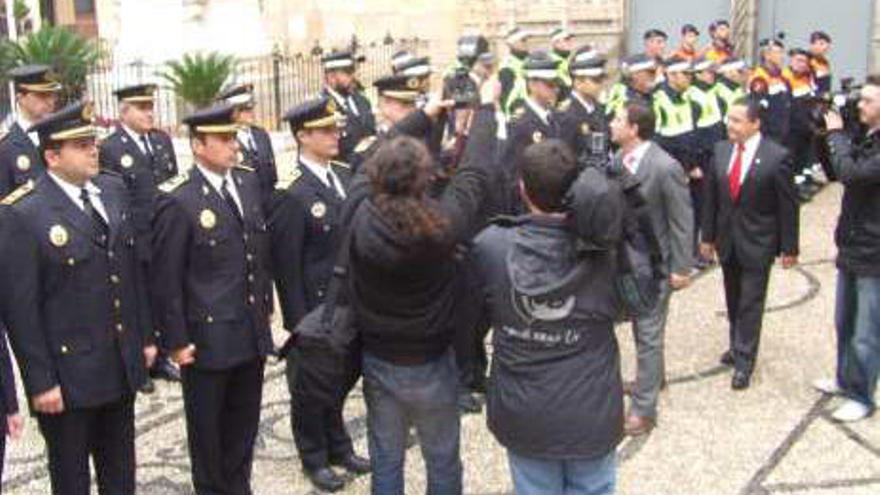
280	82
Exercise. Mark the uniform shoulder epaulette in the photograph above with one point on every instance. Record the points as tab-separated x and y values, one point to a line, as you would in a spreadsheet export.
340	164
365	144
174	182
110	173
4	134
564	106
245	168
20	192
288	179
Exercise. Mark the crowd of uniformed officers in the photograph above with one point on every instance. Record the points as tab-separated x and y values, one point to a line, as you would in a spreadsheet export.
118	265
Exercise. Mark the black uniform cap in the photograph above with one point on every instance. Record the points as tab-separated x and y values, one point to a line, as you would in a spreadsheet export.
219	119
312	114
399	87
74	121
239	94
138	93
35	79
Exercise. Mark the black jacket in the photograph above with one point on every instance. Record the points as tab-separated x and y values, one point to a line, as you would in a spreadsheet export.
80	320
764	222
858	229
579	123
210	277
20	160
261	158
142	175
555	390
304	224
526	127
357	126
10	270
405	292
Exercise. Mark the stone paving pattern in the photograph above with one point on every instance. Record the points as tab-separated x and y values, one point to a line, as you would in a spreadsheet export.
774	438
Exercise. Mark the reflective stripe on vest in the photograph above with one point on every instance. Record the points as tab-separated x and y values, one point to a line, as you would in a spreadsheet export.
674	119
519	91
710	109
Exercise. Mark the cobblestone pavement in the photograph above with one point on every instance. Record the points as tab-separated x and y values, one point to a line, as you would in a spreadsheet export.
775	437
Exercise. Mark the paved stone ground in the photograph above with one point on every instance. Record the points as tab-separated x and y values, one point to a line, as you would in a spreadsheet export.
774	438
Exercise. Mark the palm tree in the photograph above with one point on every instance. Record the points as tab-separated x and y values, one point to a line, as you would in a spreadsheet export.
198	78
70	55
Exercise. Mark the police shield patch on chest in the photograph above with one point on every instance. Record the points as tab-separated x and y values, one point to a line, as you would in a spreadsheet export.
126	161
585	128
207	219
319	209
23	162
537	137
58	236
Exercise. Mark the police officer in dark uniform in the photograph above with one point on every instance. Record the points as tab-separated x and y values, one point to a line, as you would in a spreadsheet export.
253	141
10	250
36	92
534	119
305	233
80	329
340	84
583	115
144	157
212	296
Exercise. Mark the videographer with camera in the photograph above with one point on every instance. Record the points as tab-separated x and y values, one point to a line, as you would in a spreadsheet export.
857	314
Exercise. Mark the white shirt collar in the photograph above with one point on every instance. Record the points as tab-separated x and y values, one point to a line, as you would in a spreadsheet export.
750	149
74	191
542	112
26	124
215	179
320	171
134	136
636	155
586	104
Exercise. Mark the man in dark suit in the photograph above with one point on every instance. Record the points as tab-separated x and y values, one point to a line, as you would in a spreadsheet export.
36	93
79	327
253	141
10	250
341	84
750	216
583	115
212	296
144	157
305	231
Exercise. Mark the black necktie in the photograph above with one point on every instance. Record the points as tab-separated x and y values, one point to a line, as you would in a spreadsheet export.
333	184
147	149
230	201
102	230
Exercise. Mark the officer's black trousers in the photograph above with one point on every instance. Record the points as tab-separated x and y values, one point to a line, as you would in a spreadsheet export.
745	291
222	417
106	433
318	431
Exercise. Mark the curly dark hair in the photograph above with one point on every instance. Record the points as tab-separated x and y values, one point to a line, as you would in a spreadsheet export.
400	174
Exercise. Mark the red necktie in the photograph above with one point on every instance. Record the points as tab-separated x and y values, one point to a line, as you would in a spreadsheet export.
733	178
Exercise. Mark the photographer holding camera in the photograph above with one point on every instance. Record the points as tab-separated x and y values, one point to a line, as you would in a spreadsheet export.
857	314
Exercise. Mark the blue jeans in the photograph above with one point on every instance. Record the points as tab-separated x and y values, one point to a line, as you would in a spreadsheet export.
857	318
423	396
563	477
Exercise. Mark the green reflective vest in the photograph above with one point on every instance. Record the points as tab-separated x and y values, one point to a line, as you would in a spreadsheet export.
710	107
562	68
519	91
614	98
674	118
728	93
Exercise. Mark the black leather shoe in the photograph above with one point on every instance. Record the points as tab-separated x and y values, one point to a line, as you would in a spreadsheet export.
354	464
148	387
740	380
164	370
727	358
326	479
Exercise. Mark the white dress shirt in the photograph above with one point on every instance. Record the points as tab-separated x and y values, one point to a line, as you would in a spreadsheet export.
137	138
751	148
633	159
26	124
321	171
246	136
74	193
216	181
589	107
542	112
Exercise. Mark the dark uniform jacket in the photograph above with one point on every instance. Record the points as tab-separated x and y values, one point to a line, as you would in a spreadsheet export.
261	157
80	320
858	229
304	223
210	277
526	127
764	222
20	160
141	174
357	126
10	251
579	123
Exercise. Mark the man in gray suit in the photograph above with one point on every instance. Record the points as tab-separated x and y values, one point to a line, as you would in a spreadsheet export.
664	186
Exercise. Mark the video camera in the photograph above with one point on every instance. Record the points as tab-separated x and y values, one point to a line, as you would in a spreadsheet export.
459	86
845	102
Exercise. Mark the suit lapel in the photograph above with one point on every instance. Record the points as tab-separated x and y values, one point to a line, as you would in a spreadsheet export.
723	163
216	201
114	213
70	211
318	186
